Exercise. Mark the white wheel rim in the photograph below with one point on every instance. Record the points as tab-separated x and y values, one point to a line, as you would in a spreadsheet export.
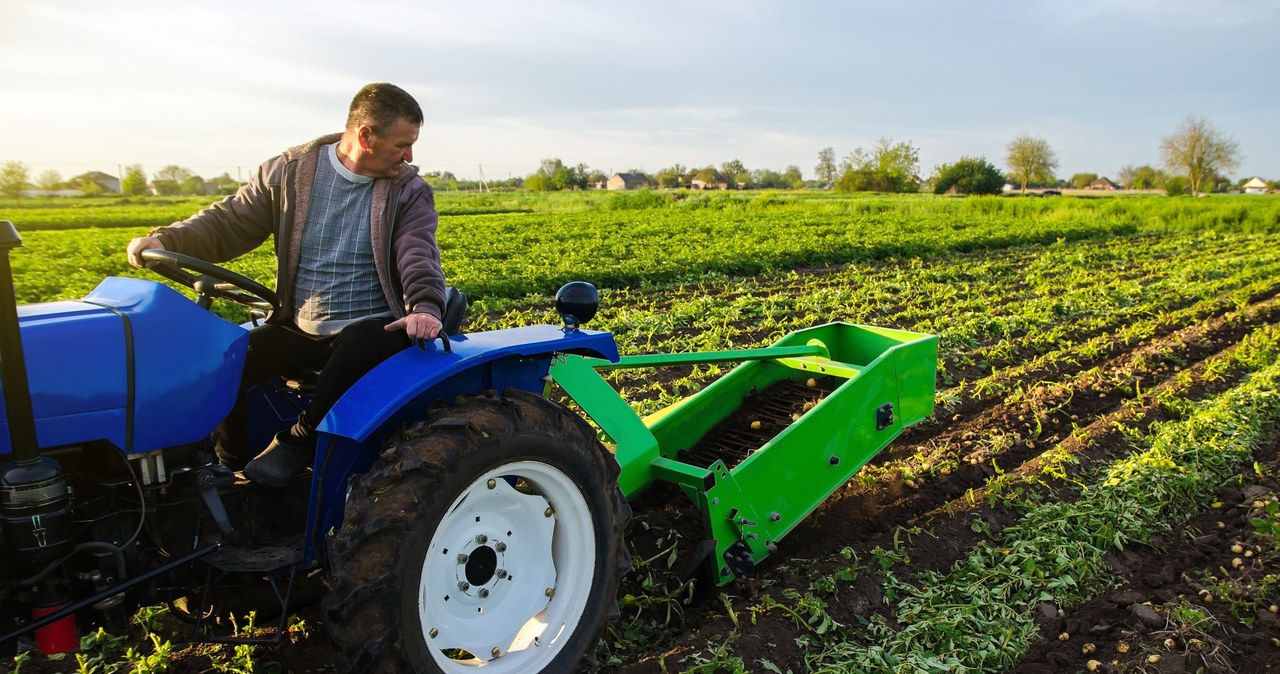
508	572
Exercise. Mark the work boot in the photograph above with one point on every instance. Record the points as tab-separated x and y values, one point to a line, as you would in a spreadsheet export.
280	461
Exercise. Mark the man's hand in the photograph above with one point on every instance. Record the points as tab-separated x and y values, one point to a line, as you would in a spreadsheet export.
136	246
417	325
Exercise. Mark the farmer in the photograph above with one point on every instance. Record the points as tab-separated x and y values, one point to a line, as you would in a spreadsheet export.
358	268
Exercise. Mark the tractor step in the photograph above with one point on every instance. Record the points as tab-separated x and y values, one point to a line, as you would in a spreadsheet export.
266	559
274	567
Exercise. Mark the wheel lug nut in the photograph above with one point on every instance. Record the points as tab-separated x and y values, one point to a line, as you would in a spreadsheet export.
492	483
483	593
462	558
482	539
550	591
501	547
434	632
548	512
495	652
501	574
464	585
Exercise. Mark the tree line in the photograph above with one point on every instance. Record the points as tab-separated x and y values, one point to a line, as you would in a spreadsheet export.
171	180
1195	159
1196	156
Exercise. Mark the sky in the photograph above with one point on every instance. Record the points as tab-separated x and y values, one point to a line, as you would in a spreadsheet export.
218	87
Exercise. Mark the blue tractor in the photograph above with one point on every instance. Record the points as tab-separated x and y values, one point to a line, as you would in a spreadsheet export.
458	517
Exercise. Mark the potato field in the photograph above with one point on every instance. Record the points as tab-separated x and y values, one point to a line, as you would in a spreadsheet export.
1098	489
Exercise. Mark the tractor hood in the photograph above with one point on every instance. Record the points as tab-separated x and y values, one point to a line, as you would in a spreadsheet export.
135	363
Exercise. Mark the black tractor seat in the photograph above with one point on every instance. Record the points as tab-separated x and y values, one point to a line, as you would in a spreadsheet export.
455	312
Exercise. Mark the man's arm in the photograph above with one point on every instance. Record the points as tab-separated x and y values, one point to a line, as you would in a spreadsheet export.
227	229
417	255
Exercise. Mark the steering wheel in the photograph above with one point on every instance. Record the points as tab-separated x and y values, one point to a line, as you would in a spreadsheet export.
209	280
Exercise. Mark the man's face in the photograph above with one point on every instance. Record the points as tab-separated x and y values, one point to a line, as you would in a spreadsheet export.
385	152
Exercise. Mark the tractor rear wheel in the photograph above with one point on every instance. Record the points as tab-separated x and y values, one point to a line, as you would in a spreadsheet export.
488	535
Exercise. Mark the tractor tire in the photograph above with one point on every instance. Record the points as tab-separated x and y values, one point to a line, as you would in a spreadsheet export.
488	535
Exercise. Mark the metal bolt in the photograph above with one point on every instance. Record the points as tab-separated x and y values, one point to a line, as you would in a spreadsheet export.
550	591
464	585
835	460
501	547
462	558
775	517
481	539
492	483
434	632
715	501
495	652
484	593
501	574
549	511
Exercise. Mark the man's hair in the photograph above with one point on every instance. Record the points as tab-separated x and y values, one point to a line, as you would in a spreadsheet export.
380	104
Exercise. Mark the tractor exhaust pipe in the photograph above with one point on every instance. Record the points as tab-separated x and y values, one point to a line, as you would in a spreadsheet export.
13	378
35	504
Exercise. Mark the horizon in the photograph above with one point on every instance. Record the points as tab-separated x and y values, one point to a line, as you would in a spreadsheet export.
506	85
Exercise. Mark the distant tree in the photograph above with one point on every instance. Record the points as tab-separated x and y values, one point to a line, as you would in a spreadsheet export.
1199	151
735	171
166	188
1082	181
134	181
15	178
1176	186
672	176
1030	160
1125	176
553	174
596	177
169	180
769	179
49	181
884	167
193	185
793	177
441	180
1147	177
226	179
538	183
87	186
173	172
825	171
224	184
969	175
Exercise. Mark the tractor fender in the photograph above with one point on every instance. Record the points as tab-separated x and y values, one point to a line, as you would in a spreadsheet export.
404	385
402	388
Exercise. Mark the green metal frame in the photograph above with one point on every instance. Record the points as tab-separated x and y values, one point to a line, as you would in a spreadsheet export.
749	507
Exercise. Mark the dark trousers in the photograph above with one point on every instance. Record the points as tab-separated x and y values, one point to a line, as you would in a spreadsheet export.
283	350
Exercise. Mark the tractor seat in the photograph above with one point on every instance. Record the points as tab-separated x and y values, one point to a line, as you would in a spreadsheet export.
455	311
